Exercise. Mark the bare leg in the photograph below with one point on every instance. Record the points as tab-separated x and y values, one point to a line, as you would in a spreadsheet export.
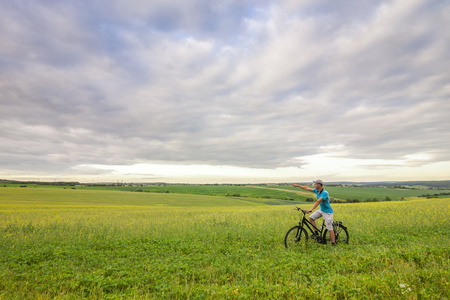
333	239
314	223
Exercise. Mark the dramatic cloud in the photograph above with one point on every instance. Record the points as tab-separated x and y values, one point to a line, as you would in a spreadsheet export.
230	90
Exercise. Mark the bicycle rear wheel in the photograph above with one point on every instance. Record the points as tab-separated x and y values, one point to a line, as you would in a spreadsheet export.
340	234
295	237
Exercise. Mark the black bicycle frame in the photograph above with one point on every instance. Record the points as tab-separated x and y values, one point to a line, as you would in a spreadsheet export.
307	223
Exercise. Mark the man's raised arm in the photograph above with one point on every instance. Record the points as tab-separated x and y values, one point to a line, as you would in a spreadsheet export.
303	187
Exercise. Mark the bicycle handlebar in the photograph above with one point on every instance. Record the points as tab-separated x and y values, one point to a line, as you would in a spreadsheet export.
298	208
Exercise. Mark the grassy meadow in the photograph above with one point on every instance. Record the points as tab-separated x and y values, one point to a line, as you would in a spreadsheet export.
364	193
107	244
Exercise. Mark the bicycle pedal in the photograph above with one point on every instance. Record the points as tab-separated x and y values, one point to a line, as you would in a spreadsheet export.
316	237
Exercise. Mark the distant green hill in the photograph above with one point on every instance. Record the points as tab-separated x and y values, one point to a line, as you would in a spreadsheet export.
440	184
286	193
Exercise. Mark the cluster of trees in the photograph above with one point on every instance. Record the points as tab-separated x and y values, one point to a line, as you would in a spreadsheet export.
368	200
428	196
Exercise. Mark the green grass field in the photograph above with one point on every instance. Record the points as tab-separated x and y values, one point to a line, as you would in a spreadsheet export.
105	244
206	190
267	192
364	193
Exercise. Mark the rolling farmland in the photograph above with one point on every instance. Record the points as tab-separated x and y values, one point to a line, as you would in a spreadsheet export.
106	244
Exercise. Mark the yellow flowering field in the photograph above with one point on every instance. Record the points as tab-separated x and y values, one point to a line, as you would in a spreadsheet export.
71	244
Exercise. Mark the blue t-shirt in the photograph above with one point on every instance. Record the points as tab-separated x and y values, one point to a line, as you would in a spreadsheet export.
325	204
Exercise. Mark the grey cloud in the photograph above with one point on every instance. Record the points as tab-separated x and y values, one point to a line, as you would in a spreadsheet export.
253	84
200	18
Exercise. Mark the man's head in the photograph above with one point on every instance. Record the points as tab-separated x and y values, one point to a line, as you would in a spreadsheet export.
318	183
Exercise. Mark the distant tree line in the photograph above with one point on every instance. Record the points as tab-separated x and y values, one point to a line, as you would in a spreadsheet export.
438	184
429	196
67	183
333	200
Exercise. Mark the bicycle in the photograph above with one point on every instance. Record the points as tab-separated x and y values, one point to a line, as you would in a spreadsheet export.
298	236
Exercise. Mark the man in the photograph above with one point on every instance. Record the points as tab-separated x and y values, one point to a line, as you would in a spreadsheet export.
325	210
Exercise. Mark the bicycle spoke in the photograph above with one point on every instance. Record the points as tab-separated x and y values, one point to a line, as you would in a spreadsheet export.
295	237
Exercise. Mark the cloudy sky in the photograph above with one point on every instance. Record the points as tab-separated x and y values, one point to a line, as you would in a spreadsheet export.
246	91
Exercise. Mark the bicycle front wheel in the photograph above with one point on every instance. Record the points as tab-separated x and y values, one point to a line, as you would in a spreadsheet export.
295	237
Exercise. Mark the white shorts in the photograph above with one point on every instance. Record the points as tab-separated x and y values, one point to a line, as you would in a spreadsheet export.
326	216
